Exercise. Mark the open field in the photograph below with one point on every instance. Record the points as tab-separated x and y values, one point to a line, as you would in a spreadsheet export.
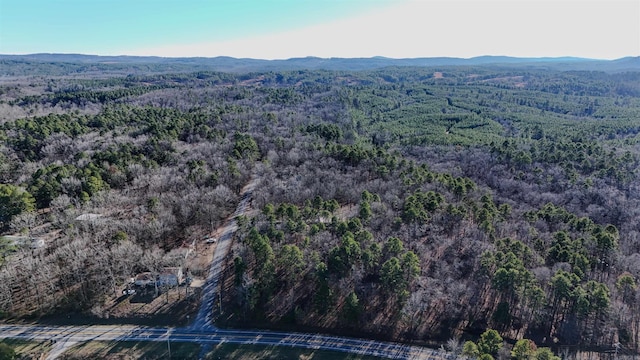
255	352
130	350
154	350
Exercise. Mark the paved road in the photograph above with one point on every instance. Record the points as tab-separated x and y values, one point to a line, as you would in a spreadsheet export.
202	330
75	334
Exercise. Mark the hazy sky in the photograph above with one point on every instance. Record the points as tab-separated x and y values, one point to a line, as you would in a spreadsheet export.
270	29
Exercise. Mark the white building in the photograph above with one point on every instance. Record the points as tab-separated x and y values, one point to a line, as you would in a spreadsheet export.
170	276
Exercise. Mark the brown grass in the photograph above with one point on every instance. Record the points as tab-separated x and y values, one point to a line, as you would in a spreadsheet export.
130	350
28	349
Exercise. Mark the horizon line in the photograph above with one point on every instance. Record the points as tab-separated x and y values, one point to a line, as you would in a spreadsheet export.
572	57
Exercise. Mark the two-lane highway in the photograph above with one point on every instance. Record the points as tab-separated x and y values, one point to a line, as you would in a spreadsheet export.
75	334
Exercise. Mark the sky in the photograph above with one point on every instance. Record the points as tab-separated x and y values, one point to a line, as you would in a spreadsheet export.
280	29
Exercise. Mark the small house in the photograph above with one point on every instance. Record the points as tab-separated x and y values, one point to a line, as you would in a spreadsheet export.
144	279
170	276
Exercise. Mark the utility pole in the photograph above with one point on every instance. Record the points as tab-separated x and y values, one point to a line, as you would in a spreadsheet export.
169	347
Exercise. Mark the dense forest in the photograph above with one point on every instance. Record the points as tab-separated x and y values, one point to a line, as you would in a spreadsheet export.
404	203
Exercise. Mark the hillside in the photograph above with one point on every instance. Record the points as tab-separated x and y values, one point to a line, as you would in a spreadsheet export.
413	203
74	64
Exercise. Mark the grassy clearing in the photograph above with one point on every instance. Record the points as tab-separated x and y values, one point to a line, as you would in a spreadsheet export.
129	350
255	352
28	349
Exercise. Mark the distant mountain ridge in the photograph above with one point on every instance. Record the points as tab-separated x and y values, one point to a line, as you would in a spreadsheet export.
225	63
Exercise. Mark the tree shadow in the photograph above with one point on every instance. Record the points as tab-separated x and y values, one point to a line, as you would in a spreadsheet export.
143	296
